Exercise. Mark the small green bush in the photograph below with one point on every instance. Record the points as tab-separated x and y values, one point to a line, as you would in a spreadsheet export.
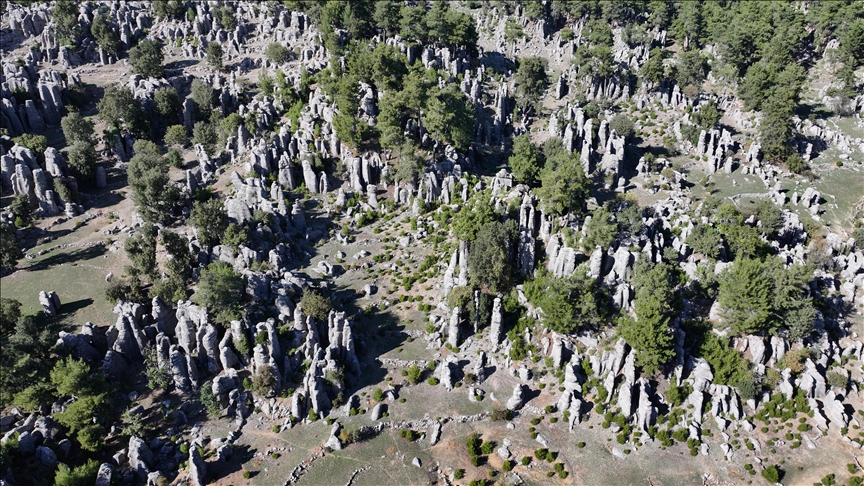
772	474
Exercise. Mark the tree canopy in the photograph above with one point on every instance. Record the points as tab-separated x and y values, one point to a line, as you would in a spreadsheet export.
649	333
146	58
118	108
568	304
209	220
220	289
490	257
527	159
564	187
531	79
154	194
10	248
757	295
77	129
474	214
214	55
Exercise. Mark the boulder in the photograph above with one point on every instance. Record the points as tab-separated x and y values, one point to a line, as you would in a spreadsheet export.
516	401
453	328
79	347
50	303
434	433
140	457
446	375
104	476
497	320
46	457
701	375
757	349
197	468
26	443
834	410
378	411
333	442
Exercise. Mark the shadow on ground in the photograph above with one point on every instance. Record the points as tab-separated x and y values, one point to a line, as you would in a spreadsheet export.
68	257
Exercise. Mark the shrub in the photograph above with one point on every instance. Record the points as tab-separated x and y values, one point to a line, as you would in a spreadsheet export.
526	460
432	381
796	164
176	135
414	374
82	159
772	474
459	474
474	443
37	143
623	125
836	379
79	476
488	447
504	414
507	465
378	395
276	53
316	305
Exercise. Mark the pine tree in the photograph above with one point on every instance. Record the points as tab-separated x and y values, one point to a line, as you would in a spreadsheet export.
746	296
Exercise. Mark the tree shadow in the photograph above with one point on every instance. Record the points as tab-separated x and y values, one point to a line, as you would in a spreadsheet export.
182	64
318	224
374	335
105	200
602	195
94	93
88	253
345	299
819	112
53	234
497	61
490	161
241	454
